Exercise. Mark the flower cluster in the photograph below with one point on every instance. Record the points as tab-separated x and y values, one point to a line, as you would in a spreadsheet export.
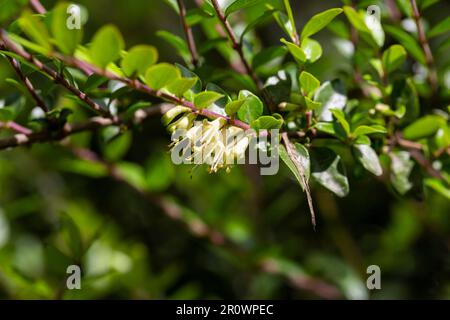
214	143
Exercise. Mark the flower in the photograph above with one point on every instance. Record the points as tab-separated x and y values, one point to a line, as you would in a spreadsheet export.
214	143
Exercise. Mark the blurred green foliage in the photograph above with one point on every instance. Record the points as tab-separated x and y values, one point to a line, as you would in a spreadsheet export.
142	228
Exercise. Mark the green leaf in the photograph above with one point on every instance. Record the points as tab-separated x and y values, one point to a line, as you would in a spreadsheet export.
328	171
357	20
240	5
178	87
205	99
440	28
233	107
160	172
133	174
365	130
368	158
138	60
408	41
326	127
340	116
438	186
290	15
401	167
269	57
177	42
373	23
117	148
106	46
309	84
66	39
161	75
267	123
312	50
9	8
301	168
393	58
33	26
254	23
312	105
319	21
252	109
295	51
285	24
423	128
6	114
332	96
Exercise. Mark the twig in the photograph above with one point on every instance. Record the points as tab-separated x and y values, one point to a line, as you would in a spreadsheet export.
37	6
432	74
188	33
26	81
52	73
15	127
238	47
26	137
137	85
415	150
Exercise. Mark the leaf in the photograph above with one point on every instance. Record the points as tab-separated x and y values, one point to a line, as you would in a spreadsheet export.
233	107
373	23
139	59
261	19
309	84
365	130
393	58
408	41
133	174
178	87
106	46
161	75
440	28
173	4
117	148
340	116
319	21
160	172
203	100
66	39
295	51
438	186
312	50
285	24
9	8
240	5
312	105
290	15
328	171
252	109
368	158
177	42
423	128
297	159
359	24
267	123
332	96
33	26
401	167
272	56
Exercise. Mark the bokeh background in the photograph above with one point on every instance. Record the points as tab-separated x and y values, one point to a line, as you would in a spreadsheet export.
195	235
